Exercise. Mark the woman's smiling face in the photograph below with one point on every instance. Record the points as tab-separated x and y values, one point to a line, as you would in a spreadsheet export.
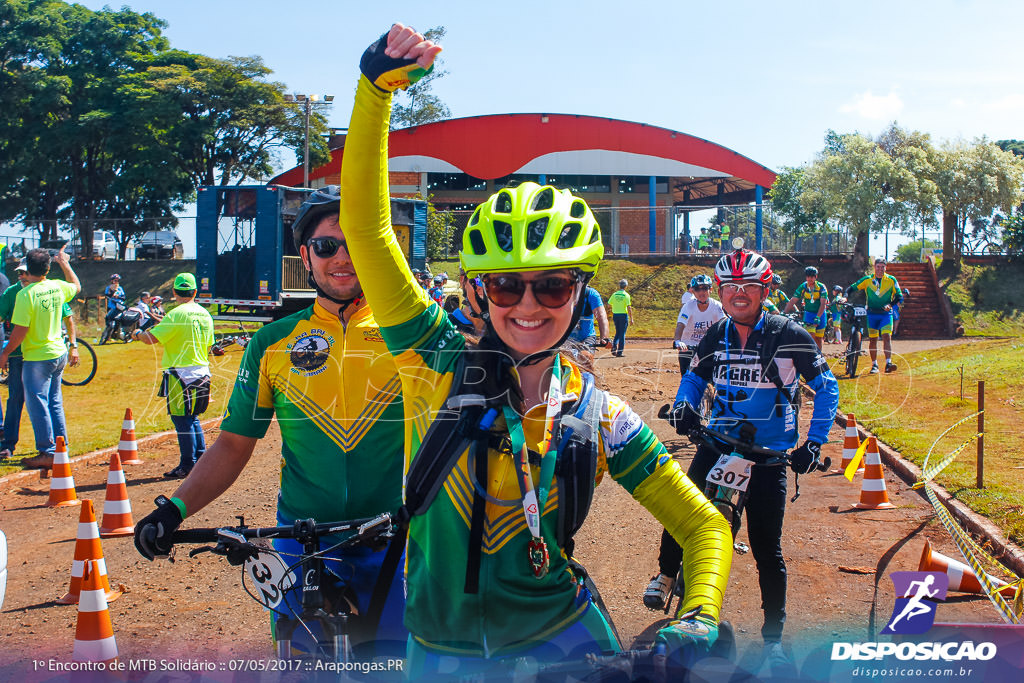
529	326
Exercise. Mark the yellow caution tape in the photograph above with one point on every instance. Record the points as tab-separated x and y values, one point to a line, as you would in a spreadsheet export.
1012	613
854	465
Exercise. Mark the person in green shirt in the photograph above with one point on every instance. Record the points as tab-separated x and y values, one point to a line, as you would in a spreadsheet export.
186	333
622	316
37	331
726	232
15	388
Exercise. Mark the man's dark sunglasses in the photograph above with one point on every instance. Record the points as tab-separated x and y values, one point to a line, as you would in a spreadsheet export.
703	288
508	290
326	247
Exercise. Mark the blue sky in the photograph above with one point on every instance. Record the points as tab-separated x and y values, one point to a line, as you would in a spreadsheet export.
764	79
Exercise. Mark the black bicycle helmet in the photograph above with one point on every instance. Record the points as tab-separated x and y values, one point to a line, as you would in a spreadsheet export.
777	280
810	270
320	203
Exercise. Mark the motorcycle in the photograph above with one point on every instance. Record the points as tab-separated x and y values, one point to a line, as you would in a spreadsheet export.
120	323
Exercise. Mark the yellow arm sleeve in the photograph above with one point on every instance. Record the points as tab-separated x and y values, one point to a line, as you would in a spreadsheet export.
698	527
383	271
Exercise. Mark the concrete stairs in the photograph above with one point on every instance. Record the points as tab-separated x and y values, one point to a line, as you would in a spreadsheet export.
924	313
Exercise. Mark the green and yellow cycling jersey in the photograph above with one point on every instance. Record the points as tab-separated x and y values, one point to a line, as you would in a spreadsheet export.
779	298
337	397
811	296
880	292
512	608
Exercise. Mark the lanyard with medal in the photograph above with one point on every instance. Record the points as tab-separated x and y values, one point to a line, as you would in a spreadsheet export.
534	500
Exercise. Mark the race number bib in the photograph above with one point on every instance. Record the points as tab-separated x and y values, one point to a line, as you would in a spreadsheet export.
860	311
732	471
270	576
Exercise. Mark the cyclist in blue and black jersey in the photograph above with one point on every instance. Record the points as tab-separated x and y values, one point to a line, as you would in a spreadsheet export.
755	361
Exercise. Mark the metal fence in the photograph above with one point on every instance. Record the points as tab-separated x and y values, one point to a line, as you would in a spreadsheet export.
666	230
20	237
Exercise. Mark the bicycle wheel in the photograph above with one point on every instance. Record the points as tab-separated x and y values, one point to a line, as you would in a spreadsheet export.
85	370
853	353
830	333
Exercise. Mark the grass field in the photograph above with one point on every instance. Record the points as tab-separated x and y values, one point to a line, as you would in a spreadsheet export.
908	410
987	300
127	377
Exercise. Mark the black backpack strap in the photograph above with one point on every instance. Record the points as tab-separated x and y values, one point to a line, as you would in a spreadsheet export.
577	463
454	426
476	523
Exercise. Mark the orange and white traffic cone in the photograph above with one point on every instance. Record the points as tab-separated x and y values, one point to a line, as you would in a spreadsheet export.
117	509
873	495
961	577
88	549
128	447
94	633
851	442
62	484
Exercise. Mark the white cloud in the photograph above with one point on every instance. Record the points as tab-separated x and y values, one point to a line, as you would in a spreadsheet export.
875	107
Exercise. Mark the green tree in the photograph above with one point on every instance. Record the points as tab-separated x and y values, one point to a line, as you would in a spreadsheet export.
973	180
417	104
911	251
224	122
1014	146
785	194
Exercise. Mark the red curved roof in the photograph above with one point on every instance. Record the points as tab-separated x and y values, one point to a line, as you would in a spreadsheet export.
497	145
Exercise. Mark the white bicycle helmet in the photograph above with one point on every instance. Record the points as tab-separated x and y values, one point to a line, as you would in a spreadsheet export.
743	265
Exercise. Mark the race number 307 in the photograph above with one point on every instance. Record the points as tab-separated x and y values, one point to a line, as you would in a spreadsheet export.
732	471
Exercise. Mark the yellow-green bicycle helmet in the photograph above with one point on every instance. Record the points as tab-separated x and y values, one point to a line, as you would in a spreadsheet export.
530	227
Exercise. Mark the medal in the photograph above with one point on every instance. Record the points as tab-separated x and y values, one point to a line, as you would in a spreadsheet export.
533	499
538	551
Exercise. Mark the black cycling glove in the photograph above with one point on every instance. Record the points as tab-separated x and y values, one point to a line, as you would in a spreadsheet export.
153	532
805	458
387	73
683	418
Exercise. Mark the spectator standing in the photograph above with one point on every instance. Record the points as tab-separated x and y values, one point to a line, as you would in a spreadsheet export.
726	232
15	388
622	316
36	330
186	333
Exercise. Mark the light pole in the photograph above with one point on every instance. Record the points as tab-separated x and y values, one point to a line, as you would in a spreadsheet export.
307	106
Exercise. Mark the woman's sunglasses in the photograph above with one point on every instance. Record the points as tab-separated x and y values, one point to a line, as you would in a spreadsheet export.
550	292
326	247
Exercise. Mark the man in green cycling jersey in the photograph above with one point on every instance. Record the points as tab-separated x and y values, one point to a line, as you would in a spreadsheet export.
815	300
775	295
883	292
326	375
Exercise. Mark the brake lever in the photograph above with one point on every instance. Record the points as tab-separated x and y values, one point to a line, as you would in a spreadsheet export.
204	549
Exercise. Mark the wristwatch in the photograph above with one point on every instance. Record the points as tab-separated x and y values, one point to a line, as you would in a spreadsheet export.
74	345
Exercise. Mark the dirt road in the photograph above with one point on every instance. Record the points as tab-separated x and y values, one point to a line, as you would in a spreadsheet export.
838	557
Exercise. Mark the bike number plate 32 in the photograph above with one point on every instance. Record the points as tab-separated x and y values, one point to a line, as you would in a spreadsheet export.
731	471
270	576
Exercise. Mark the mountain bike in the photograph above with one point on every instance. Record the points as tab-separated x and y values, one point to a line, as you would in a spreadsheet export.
268	573
727	482
856	317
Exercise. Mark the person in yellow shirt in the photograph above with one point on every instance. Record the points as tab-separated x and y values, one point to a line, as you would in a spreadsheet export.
622	316
37	330
186	333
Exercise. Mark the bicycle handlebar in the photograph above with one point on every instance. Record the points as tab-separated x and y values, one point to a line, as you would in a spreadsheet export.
702	435
365	528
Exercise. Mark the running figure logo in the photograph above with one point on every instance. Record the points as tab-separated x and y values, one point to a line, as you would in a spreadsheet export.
917	593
